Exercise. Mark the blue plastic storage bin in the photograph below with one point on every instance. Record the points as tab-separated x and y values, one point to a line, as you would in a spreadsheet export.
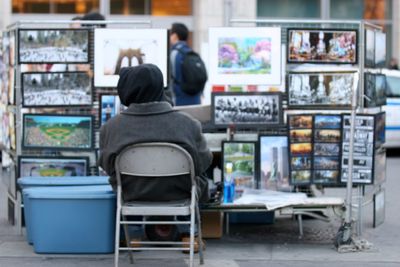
70	190
72	223
31	181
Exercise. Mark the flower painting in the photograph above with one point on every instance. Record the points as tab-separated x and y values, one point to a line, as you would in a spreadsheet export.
245	56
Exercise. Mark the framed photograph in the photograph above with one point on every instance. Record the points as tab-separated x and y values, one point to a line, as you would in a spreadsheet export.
244	55
300	135
300	121
55	89
52	166
274	162
247	110
118	48
330	46
326	121
326	149
326	176
369	59
110	105
61	131
300	177
318	90
327	136
301	149
301	163
327	163
380	49
53	46
242	156
379	208
375	90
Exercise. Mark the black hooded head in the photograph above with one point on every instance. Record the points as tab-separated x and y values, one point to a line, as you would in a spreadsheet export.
140	84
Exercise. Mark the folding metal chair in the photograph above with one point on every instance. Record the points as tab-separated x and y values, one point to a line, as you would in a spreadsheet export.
156	160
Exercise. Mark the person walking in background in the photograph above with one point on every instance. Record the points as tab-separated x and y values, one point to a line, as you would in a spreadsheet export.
188	71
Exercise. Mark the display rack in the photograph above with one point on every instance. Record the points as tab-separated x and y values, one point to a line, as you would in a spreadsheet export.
14	195
356	101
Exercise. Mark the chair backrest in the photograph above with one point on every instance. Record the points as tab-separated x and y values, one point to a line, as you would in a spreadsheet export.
154	160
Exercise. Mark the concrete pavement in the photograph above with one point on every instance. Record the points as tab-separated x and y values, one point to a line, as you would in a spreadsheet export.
247	245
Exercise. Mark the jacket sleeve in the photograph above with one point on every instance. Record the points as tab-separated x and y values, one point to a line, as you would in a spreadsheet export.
106	158
204	155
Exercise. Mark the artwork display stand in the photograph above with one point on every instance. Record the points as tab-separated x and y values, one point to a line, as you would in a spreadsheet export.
356	101
14	195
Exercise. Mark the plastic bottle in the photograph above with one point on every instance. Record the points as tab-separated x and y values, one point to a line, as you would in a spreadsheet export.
228	198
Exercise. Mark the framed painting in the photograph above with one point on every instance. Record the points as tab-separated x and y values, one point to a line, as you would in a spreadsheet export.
245	55
118	48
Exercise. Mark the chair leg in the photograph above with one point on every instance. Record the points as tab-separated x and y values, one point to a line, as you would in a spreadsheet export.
128	240
117	235
199	235
192	213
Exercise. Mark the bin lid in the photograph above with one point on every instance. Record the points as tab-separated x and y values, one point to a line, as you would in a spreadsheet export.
63	180
68	190
63	195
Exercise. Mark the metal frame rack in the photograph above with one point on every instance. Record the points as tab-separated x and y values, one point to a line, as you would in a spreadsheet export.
14	195
356	103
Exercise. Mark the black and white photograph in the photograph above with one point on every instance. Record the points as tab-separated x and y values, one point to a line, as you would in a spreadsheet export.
56	89
326	149
247	110
53	46
380	49
358	162
359	149
360	176
315	90
364	122
369	48
362	136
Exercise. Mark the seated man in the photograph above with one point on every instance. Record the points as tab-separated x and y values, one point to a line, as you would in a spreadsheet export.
149	118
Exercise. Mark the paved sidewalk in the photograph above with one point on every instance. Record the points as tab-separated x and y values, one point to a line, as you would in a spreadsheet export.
247	245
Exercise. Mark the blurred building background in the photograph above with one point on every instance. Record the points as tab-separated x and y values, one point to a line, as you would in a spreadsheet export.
199	15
